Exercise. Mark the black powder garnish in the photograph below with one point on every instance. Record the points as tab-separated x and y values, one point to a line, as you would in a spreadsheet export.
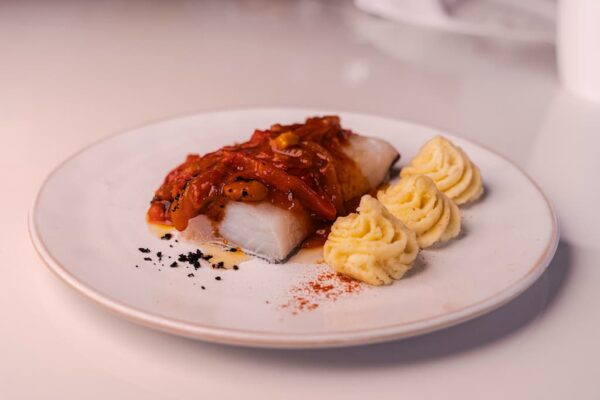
207	257
174	265
137	266
147	259
203	288
235	267
159	255
176	241
220	265
166	236
171	247
193	258
144	250
218	278
233	250
190	275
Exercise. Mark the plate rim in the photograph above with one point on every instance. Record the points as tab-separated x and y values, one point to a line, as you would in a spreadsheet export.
264	339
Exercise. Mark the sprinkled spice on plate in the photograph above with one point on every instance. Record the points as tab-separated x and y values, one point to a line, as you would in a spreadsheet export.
324	287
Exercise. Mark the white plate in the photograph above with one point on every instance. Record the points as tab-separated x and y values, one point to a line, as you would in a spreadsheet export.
88	223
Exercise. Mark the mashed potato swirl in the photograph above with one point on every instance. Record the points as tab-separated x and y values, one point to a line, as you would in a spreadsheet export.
417	202
450	168
372	245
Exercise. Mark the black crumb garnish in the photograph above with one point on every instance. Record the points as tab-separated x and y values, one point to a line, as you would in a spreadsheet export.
171	245
159	255
144	250
190	275
174	264
137	266
207	257
166	236
220	265
176	241
232	249
218	278
235	267
147	259
203	288
193	258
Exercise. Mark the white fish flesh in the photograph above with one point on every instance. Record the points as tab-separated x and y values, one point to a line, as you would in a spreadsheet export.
273	233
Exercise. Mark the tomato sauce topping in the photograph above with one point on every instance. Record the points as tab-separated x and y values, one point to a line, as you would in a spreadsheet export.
299	167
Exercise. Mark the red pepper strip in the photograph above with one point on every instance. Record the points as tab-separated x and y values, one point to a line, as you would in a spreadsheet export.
267	173
177	178
332	185
194	196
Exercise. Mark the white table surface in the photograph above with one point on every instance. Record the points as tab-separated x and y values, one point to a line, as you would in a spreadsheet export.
73	73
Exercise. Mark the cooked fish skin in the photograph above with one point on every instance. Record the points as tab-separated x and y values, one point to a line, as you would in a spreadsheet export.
273	233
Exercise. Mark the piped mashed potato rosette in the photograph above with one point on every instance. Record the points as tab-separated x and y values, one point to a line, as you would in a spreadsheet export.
450	168
417	202
372	245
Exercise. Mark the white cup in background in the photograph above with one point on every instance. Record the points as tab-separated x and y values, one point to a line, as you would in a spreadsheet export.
578	47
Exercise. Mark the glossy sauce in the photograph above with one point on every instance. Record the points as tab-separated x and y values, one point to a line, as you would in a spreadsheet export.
300	167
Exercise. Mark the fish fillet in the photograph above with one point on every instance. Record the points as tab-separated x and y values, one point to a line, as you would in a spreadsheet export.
273	233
